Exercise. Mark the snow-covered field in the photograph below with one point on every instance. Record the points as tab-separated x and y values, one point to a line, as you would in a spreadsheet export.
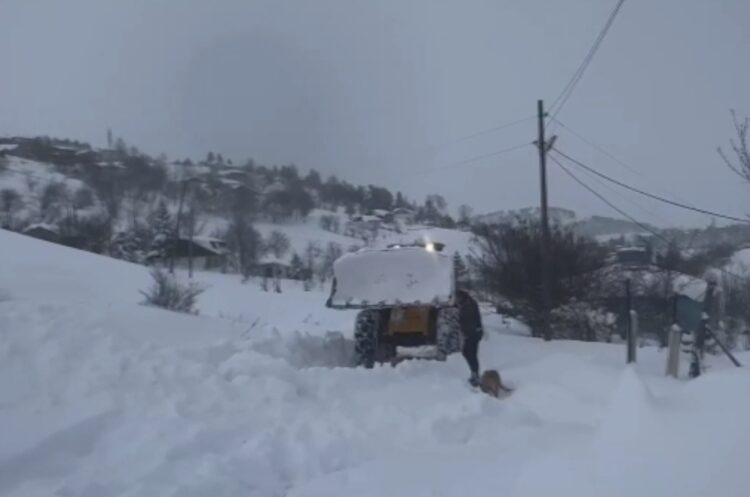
101	396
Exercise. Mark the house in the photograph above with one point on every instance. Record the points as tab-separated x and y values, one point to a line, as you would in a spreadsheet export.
634	256
207	253
43	231
270	266
403	215
363	225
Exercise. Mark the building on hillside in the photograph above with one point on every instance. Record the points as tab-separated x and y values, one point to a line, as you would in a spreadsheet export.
363	224
634	256
208	254
43	231
272	267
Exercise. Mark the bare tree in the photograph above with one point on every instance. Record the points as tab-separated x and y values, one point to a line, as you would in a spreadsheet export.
55	196
278	243
464	215
741	163
507	266
11	202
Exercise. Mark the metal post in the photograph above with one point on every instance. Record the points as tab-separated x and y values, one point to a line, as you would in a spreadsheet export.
673	343
631	318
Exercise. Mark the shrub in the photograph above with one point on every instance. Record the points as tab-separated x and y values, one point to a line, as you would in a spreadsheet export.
168	293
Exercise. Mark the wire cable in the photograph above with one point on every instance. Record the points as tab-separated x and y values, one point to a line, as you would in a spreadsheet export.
493	129
651	195
484	156
606	201
568	90
597	147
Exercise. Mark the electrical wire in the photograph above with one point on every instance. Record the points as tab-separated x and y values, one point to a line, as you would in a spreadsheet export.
493	129
631	218
568	90
651	195
606	201
603	151
484	156
597	147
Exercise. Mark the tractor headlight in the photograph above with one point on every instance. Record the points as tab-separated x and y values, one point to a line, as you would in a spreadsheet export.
430	247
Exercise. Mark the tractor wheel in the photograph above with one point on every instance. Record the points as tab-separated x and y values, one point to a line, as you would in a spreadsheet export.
366	337
448	332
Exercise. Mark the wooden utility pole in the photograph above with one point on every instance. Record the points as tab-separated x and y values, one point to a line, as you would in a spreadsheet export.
545	248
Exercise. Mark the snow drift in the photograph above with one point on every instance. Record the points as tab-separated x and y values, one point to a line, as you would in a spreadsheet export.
100	397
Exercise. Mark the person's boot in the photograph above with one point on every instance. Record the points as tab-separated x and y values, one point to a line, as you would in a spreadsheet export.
474	379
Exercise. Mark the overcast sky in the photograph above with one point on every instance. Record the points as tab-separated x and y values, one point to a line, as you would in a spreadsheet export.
380	91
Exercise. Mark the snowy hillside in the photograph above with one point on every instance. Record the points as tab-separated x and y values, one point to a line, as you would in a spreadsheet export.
101	396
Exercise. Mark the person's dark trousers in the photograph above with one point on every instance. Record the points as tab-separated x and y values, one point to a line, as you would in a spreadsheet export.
470	351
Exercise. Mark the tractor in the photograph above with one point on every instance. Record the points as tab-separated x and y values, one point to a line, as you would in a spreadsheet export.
405	295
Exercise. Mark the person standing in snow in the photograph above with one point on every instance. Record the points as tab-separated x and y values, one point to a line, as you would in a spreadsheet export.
470	321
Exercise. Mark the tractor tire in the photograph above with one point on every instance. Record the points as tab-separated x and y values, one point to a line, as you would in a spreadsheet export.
366	330
448	332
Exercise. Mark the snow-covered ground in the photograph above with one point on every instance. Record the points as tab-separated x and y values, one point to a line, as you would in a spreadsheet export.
101	396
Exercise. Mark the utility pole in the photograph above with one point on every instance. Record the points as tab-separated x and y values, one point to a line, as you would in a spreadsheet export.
545	248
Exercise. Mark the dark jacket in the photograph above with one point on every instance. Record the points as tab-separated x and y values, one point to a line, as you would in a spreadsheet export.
469	317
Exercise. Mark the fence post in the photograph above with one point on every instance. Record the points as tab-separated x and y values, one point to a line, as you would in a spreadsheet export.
673	353
632	317
674	338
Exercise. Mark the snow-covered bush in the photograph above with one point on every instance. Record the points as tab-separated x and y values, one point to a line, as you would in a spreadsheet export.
168	293
578	320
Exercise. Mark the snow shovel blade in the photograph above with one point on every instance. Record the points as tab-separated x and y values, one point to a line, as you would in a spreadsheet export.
404	276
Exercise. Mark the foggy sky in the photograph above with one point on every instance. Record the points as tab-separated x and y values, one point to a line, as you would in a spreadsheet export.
379	91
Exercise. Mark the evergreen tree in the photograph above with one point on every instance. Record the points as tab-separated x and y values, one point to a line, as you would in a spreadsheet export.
296	267
128	246
161	231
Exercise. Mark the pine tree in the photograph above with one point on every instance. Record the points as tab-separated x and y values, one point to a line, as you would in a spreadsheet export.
161	231
128	246
296	267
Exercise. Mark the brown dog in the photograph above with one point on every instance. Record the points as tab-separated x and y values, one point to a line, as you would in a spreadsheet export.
491	384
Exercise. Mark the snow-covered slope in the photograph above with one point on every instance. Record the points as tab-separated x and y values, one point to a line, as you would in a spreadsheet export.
100	396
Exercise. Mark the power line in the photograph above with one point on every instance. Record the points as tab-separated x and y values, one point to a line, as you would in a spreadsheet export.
597	147
493	129
625	197
568	90
631	218
610	155
606	201
484	156
651	195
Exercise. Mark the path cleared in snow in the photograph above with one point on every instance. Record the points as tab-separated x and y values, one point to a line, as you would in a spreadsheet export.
100	396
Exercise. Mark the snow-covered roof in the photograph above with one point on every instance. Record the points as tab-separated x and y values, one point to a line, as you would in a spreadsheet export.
42	226
212	244
7	146
272	259
367	219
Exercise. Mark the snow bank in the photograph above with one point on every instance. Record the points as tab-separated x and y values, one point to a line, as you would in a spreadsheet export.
100	397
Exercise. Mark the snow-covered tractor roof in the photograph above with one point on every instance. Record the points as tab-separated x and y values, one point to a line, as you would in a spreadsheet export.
394	276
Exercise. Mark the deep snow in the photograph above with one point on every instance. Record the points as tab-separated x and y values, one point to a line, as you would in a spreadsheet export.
101	396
